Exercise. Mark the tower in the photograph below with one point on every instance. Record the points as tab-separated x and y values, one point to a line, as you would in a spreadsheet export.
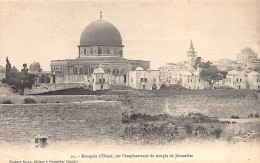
191	54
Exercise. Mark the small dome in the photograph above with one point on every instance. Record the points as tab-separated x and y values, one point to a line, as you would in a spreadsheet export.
99	71
100	33
35	66
139	68
247	50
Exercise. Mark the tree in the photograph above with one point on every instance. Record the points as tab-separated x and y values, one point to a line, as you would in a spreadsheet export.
212	75
205	65
198	61
24	67
18	80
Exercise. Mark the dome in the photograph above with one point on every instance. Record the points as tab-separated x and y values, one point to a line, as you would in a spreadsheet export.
35	66
100	32
99	71
139	68
247	50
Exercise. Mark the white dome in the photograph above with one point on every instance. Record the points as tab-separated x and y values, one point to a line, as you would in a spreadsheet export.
139	68
99	71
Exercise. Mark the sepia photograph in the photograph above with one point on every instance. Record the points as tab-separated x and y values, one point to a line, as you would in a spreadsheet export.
129	81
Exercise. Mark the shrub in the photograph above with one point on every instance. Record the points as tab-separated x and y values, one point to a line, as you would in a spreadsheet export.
188	129
217	132
7	102
235	117
29	101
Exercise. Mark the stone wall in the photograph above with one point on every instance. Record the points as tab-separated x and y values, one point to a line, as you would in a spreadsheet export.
17	99
46	87
82	122
222	106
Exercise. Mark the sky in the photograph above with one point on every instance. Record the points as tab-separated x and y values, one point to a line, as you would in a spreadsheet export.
158	31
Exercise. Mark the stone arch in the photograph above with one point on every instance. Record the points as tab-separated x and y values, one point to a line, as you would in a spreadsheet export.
154	87
115	71
81	70
91	70
107	71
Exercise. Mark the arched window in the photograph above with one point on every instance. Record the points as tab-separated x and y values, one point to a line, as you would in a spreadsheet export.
121	53
91	51
81	70
99	51
75	70
84	51
115	71
107	71
91	70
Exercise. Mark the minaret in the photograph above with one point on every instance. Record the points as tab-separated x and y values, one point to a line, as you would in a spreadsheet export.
191	54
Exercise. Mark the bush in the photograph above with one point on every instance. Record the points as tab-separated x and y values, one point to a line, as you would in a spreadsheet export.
235	117
7	102
188	129
29	101
217	132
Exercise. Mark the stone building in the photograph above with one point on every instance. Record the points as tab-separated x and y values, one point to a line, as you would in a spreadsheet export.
39	75
99	80
247	57
236	79
100	44
253	80
192	80
243	79
2	73
144	79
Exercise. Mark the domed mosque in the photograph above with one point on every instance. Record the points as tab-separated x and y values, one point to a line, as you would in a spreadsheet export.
100	47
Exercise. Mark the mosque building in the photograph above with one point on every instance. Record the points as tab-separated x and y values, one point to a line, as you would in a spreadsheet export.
100	48
39	75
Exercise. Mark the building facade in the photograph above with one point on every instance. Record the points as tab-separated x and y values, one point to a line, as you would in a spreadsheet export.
243	79
144	79
192	80
247	57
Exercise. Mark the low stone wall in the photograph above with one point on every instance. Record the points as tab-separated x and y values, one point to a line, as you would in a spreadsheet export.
47	87
17	99
222	106
89	121
162	132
